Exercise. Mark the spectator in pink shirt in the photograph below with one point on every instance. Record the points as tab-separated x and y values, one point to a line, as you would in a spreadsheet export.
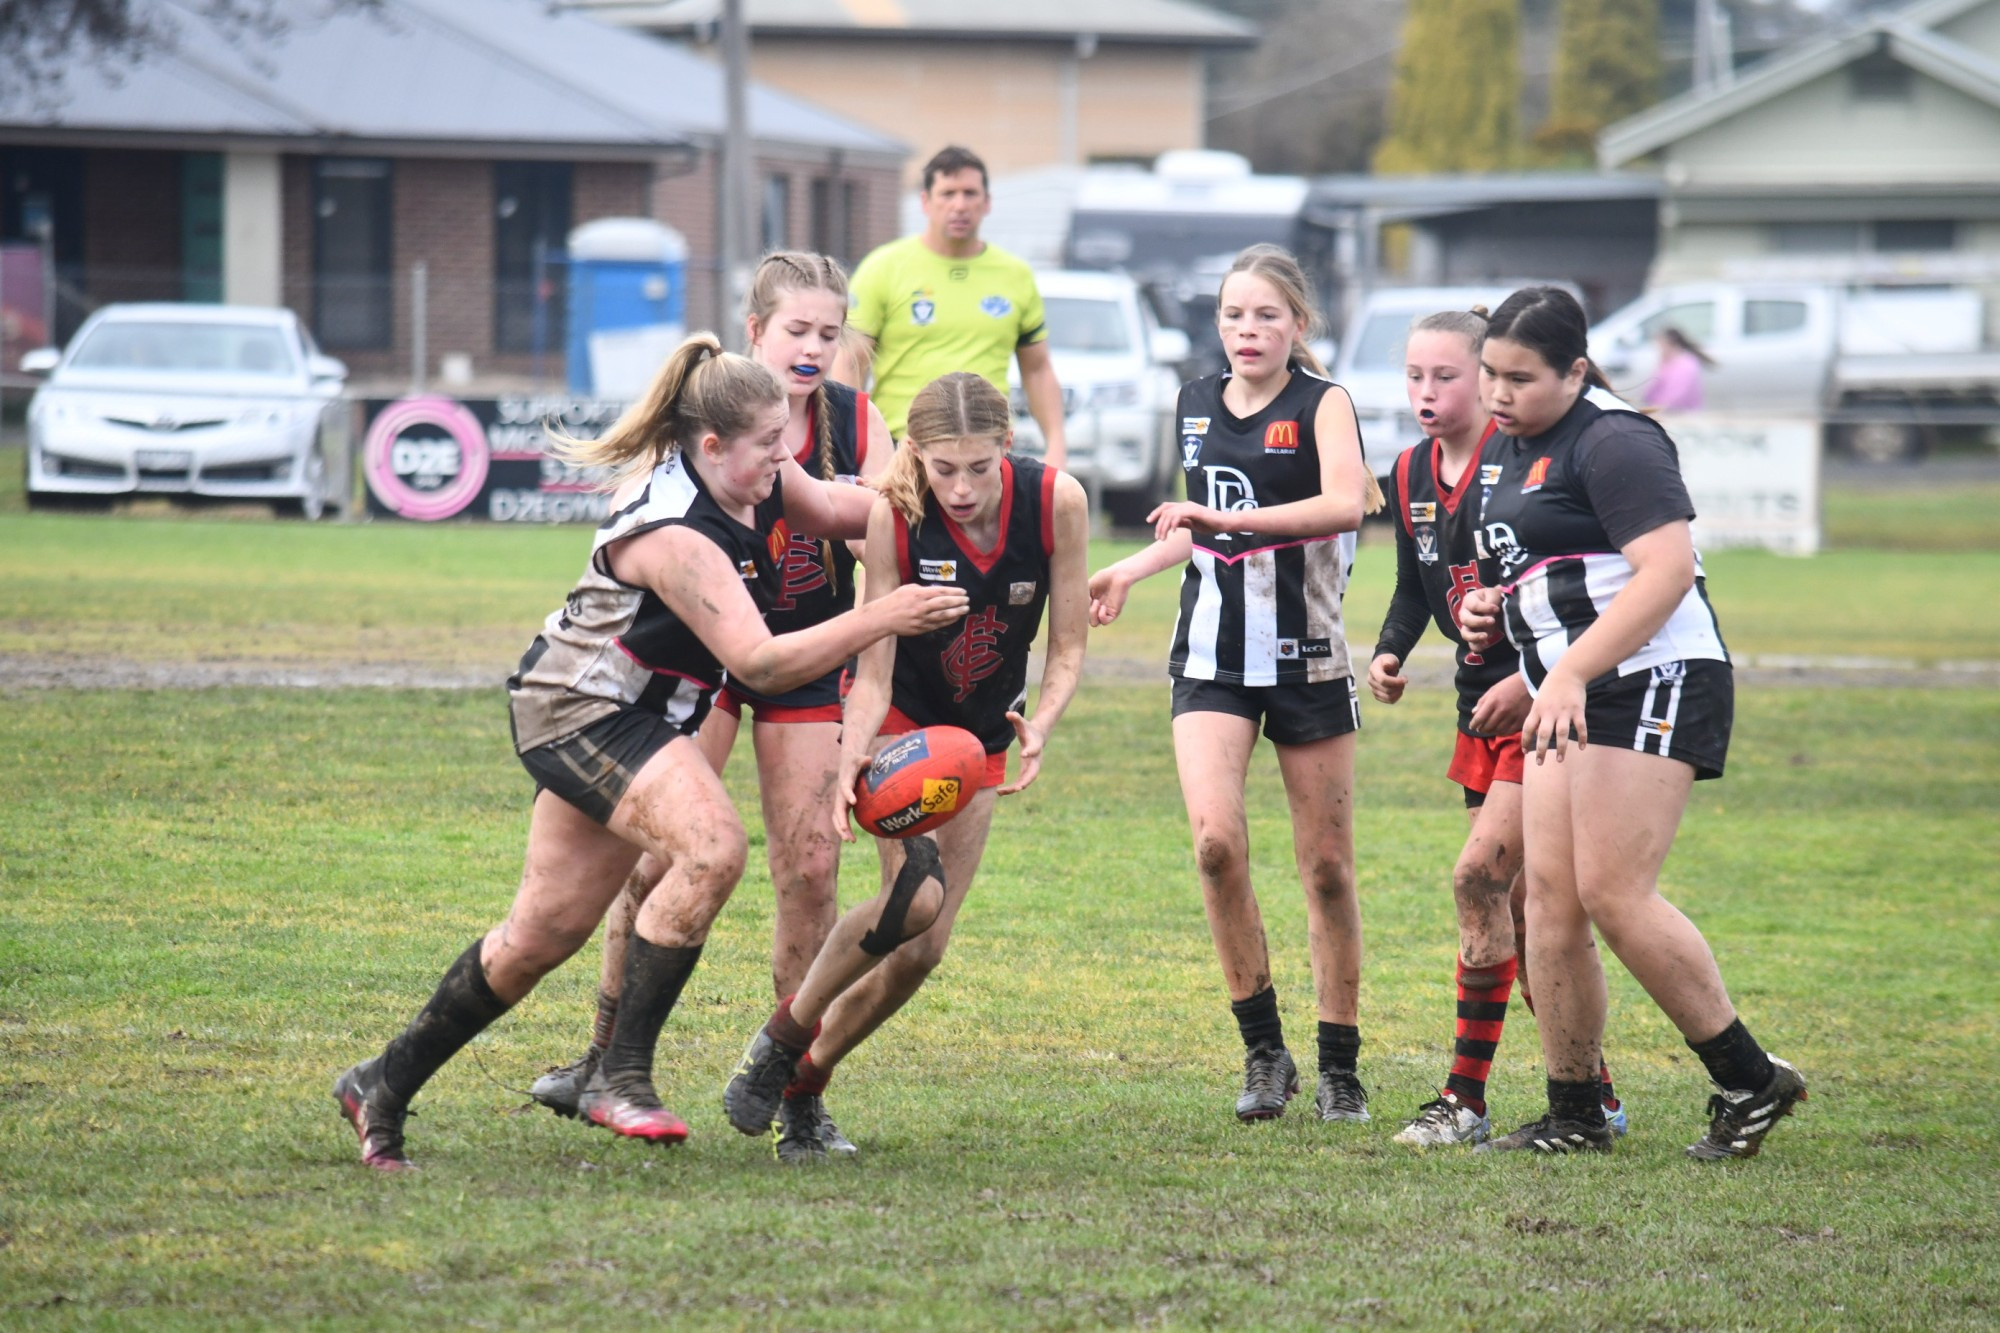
1676	385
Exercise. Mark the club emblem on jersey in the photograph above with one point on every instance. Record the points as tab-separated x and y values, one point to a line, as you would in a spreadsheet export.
1426	512
800	571
1537	474
1670	673
1229	489
1190	451
1020	594
1293	650
943	571
1194	425
1489	474
971	658
1427	544
747	568
999	307
1281	437
922	309
959	273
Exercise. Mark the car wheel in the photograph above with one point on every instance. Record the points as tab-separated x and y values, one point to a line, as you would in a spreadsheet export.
1883	441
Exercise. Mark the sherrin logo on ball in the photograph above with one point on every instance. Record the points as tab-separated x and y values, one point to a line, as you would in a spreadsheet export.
918	781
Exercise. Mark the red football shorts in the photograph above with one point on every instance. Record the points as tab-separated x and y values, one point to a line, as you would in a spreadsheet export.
1480	761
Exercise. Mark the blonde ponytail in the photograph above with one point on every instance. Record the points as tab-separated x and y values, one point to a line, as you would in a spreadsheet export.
701	390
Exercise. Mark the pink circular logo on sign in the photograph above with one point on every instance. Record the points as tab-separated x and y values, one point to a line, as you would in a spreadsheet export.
426	458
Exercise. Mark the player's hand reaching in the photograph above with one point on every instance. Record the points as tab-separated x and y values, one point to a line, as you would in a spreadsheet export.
1556	718
1503	709
1108	589
919	608
1186	514
844	783
1032	741
1479	618
1383	682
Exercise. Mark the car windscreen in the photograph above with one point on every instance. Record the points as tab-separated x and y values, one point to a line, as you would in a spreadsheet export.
1083	324
1380	344
186	346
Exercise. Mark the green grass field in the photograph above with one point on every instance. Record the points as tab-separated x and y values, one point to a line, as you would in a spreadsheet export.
212	900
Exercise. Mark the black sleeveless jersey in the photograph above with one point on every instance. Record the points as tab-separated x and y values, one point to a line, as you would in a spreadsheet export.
974	671
1258	610
807	592
1437	554
614	644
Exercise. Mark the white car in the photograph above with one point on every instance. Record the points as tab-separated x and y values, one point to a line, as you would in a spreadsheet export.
1119	373
229	402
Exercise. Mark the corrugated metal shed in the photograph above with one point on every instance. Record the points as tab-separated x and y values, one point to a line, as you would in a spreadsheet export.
466	76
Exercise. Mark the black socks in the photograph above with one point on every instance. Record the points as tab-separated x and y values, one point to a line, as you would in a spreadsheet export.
1257	1018
1339	1046
654	976
1577	1101
461	1008
1734	1059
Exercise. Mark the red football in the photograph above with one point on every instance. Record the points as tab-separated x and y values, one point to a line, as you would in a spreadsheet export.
919	780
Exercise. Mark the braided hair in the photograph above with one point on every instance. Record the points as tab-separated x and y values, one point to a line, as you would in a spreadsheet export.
781	273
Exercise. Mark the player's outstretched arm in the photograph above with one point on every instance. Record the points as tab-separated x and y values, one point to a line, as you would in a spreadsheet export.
1110	586
1069	628
699	584
834	510
867	703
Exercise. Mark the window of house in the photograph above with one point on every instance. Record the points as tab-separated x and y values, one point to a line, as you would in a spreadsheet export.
1816	238
353	297
531	222
776	229
1916	234
1773	317
832	208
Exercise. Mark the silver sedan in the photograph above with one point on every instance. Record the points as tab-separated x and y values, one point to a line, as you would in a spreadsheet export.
228	402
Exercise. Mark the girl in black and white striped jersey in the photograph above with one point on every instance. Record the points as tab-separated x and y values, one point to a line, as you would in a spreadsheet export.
1592	573
1277	487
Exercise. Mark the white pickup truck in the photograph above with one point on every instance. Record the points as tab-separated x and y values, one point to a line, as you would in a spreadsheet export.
1889	370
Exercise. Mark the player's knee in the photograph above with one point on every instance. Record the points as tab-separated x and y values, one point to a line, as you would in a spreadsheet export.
1217	854
716	859
1476	882
912	902
1328	876
1608	901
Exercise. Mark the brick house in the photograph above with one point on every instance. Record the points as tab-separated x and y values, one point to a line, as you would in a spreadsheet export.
1030	84
316	168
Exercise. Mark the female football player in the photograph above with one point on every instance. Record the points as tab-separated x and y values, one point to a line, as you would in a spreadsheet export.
605	704
1277	488
1594	578
1435	494
955	511
797	315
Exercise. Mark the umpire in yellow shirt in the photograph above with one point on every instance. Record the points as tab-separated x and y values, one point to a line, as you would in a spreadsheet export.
946	300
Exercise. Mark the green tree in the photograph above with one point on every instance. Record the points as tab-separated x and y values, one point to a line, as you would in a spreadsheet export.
1458	86
1607	68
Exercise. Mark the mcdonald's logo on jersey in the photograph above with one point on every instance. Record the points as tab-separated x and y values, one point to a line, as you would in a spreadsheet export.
778	539
1281	437
1537	474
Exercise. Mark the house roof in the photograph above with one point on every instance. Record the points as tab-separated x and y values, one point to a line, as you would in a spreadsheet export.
446	76
1906	35
1401	198
1169	22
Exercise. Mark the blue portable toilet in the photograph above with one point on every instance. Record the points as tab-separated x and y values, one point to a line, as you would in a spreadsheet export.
627	304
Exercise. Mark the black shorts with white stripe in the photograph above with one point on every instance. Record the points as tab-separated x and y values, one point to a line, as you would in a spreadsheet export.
1291	714
1682	710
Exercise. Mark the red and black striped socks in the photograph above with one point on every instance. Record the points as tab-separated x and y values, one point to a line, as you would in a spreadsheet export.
1482	1012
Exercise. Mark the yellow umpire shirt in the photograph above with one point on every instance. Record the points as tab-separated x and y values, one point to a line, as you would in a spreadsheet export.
930	315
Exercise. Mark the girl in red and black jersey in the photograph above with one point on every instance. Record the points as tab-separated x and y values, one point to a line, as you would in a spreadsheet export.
1436	493
955	511
605	705
1276	489
796	321
1598	586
